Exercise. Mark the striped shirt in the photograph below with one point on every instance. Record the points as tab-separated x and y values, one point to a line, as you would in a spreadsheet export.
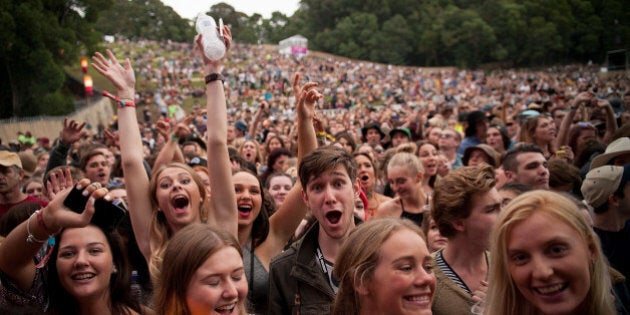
449	272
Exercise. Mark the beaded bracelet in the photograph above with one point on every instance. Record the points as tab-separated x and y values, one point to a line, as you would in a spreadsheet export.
31	238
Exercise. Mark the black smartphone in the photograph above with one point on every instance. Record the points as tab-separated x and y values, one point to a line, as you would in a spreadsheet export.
75	200
107	215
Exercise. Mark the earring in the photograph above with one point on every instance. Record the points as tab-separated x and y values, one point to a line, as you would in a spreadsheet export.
115	270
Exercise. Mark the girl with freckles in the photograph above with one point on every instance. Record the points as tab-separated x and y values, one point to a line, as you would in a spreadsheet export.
547	260
390	273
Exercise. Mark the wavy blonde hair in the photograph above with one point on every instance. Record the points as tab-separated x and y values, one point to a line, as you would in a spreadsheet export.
160	232
503	296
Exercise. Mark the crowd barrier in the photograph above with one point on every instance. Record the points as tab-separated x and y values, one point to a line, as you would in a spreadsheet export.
100	109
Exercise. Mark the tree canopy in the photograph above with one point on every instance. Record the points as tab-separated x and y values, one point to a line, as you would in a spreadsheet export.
40	37
465	33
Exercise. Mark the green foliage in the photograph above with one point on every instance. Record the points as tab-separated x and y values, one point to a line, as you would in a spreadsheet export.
464	33
148	19
38	38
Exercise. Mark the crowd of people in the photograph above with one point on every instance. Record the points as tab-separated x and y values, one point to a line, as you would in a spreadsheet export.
324	186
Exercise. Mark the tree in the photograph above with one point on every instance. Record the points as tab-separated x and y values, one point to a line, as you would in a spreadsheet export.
146	19
38	39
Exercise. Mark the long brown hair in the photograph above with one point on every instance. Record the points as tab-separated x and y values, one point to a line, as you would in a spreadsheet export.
184	254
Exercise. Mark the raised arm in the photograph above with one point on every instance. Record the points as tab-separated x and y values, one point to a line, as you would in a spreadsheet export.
611	121
171	151
254	125
283	223
19	248
224	199
580	100
71	133
136	178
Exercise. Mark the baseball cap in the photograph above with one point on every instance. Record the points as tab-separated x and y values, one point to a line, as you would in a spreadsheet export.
8	158
401	129
240	125
198	161
488	150
602	182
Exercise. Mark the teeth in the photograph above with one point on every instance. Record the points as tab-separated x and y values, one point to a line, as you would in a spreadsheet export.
83	276
550	289
418	298
228	307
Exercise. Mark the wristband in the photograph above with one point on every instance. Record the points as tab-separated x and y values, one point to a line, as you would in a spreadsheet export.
121	102
213	77
42	224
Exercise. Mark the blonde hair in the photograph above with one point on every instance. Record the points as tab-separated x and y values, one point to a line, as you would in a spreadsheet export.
160	232
355	265
503	296
408	160
409	147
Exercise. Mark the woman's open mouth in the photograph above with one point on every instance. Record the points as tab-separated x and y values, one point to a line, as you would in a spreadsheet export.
180	203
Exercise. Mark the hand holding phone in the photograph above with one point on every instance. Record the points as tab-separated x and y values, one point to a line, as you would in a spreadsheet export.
107	215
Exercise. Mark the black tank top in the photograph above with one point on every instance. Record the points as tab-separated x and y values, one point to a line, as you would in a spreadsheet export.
415	217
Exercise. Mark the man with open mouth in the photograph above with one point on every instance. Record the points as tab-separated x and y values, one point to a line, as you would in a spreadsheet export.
301	278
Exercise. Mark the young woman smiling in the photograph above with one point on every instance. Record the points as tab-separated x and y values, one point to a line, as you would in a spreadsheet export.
547	260
391	273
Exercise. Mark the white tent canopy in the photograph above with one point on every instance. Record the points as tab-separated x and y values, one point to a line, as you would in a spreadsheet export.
296	45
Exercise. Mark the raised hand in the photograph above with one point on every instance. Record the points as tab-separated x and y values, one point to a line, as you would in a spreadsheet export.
114	137
71	131
306	97
121	76
164	128
60	179
583	98
182	130
57	216
602	103
213	66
